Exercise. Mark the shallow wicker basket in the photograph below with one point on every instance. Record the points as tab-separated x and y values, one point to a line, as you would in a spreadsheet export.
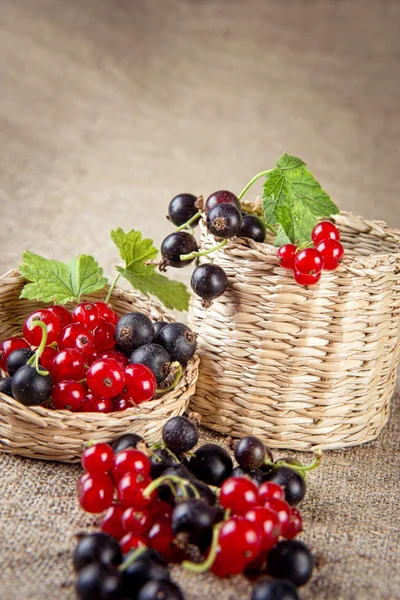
302	367
60	434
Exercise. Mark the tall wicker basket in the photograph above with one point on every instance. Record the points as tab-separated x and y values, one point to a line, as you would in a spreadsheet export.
60	434
302	367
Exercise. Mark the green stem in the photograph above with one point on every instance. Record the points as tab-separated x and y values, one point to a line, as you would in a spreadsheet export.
208	563
174	383
167	479
111	289
188	223
41	347
271	228
300	469
262	174
193	255
132	556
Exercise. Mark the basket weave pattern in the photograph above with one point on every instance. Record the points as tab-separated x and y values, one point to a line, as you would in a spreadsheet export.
60	434
302	367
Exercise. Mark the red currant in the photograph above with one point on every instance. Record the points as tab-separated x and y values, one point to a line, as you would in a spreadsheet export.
87	314
106	378
268	490
68	364
97	458
76	336
62	313
140	383
239	494
240	540
267	523
225	564
295	525
95	492
130	461
120	404
286	255
87	405
161	538
137	521
332	251
68	395
111	522
92	355
282	510
104	336
53	326
106	313
48	355
325	230
160	510
308	261
100	405
8	346
130	541
130	491
304	279
116	355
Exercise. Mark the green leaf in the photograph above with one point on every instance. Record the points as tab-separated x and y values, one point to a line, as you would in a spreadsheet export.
281	238
135	251
294	199
52	280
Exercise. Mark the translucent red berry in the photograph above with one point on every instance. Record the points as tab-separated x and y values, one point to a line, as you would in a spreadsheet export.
240	540
115	355
97	458
332	251
106	378
137	521
130	461
76	336
8	346
304	279
325	230
238	494
48	355
53	326
160	510
130	491
286	255
140	383
161	538
295	525
99	405
120	404
104	336
62	313
269	490
111	522
225	564
282	510
68	364
68	395
95	492
130	541
87	314
106	313
268	525
309	261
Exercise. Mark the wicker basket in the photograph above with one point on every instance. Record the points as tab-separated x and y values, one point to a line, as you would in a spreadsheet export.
59	434
302	367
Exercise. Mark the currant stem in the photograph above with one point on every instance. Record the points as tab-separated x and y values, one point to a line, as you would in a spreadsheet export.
203	252
301	469
131	557
188	223
208	563
271	228
169	479
174	383
248	186
41	347
111	289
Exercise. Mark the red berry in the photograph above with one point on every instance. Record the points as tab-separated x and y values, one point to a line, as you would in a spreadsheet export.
48	355
161	538
97	458
160	510
120	404
282	510
303	279
53	326
130	461
268	490
68	364
8	346
239	494
104	336
87	405
225	564
140	383
62	313
87	314
92	355
332	251
131	541
68	395
95	492
286	255
325	230
106	378
116	355
106	313
308	261
130	491
111	522
240	539
76	336
100	405
267	523
137	521
294	526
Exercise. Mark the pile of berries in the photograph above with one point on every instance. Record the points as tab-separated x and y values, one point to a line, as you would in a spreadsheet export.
187	505
307	263
90	360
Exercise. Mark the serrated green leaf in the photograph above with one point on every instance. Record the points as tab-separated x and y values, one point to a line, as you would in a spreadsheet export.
133	249
52	280
281	238
294	199
172	294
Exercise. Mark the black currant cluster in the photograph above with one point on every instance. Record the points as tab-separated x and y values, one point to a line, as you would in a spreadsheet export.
224	220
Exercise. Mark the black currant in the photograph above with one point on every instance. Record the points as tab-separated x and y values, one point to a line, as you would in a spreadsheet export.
18	359
269	589
97	548
221	197
5	386
211	464
224	221
155	357
290	559
209	281
158	325
160	590
250	452
140	572
133	330
205	493
160	460
252	227
178	340
255	474
195	518
292	482
182	208
176	244
180	434
128	440
98	582
29	387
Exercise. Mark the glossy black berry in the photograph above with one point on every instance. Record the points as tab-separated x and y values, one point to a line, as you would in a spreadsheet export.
29	387
158	325
293	484
155	357
178	340
270	589
175	245
221	197
209	281
18	359
98	582
255	475
128	440
140	572
211	464
224	221
182	208
5	386
160	590
195	519
133	330
290	559
180	434
97	548
250	452
252	227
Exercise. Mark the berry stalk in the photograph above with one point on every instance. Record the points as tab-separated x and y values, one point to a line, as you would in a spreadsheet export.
35	358
177	379
189	222
169	479
193	255
208	563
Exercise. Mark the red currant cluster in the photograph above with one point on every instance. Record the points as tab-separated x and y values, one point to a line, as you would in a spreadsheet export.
307	263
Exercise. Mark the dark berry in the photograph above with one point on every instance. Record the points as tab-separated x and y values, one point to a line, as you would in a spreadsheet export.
255	474
128	440
252	227
221	197
18	359
29	387
293	484
160	460
268	589
291	559
160	590
178	340
175	245
158	325
97	582
133	330
97	548
180	434
211	464
140	572
250	452
209	281
182	208
155	357
194	518
224	221
5	386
